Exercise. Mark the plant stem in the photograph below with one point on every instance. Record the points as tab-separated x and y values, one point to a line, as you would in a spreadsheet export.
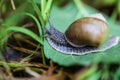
80	7
43	56
38	12
115	12
48	6
13	5
43	4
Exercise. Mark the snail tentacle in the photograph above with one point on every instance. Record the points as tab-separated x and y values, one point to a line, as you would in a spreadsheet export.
56	36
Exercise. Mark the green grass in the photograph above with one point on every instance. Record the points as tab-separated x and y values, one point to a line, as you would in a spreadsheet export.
61	18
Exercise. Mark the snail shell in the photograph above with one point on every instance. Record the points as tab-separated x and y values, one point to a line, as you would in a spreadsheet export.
83	36
87	31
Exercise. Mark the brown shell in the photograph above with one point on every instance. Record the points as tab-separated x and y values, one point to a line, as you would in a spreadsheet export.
87	31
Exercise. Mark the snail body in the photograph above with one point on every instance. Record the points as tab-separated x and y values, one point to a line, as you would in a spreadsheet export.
85	35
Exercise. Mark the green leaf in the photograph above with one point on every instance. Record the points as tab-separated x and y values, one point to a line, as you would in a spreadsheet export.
62	17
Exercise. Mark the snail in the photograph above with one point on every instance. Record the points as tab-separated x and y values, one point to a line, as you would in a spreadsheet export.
83	36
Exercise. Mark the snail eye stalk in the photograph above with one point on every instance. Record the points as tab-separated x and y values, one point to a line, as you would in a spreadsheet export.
50	24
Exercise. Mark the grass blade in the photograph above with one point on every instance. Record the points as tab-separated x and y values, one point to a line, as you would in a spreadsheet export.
25	31
37	22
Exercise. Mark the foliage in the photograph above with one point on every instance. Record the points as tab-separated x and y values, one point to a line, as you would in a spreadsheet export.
61	18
